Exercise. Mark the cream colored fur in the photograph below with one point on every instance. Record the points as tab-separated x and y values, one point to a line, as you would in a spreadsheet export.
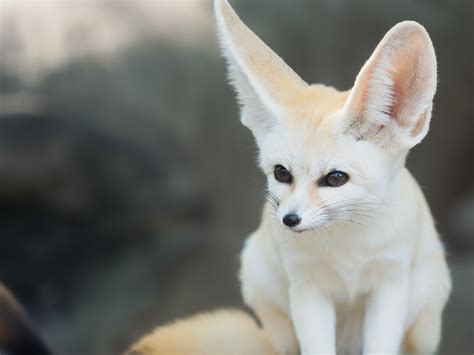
364	271
224	332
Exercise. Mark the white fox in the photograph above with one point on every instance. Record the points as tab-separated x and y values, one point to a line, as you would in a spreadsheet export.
347	258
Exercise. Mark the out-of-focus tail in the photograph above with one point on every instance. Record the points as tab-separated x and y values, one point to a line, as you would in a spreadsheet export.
219	332
17	335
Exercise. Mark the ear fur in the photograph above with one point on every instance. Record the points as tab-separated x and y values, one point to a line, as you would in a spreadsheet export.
262	80
391	100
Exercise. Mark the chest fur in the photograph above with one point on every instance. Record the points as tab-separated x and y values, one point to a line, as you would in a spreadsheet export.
344	272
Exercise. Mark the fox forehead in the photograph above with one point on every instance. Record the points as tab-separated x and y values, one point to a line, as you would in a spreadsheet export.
313	105
310	142
312	148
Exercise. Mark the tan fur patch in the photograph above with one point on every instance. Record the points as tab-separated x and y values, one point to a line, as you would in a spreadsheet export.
419	125
314	104
313	192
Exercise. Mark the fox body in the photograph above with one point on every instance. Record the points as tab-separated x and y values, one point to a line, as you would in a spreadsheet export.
347	257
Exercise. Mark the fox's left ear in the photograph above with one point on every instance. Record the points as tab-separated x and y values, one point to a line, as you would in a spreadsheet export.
391	101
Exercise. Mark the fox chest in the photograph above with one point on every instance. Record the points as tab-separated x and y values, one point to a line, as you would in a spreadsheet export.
344	278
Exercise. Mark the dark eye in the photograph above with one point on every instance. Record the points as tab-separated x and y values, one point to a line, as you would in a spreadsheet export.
282	174
335	179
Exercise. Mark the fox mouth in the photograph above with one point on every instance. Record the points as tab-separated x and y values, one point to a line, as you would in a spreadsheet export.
322	225
300	230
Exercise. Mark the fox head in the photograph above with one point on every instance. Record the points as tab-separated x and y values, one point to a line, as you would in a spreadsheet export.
331	155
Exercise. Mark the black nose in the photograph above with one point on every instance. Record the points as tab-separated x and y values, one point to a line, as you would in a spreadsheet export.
291	220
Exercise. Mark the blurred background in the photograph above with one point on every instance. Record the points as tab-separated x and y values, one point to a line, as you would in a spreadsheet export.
127	183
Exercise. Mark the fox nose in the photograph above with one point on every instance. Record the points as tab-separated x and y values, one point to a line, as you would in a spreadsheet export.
291	220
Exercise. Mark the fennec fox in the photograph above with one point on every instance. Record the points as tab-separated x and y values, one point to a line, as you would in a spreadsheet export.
346	258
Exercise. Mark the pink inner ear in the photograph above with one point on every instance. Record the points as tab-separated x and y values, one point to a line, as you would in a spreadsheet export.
408	85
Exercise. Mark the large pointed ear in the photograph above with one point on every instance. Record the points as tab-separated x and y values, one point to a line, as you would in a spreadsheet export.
262	80
391	100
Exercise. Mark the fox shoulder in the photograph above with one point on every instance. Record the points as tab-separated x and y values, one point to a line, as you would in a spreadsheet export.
218	332
17	335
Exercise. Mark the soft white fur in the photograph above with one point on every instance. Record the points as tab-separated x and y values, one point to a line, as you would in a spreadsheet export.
365	270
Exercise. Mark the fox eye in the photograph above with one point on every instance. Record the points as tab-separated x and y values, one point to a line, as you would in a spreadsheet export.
335	179
282	175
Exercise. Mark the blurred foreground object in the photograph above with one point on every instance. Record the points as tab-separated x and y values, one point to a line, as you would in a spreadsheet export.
16	332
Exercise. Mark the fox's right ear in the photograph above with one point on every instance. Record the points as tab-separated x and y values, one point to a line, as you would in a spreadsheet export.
262	80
